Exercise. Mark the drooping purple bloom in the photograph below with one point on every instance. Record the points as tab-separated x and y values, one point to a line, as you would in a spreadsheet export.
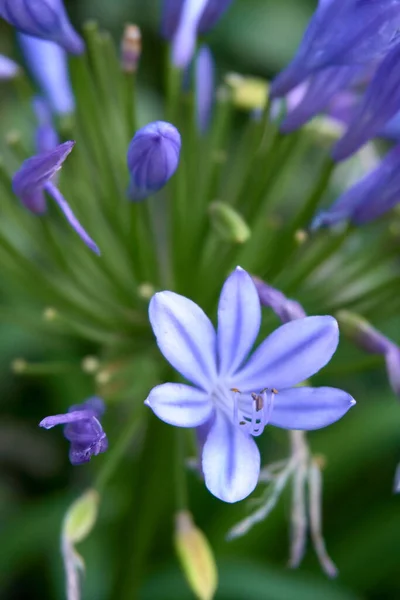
48	65
184	40
350	32
316	93
212	13
172	13
205	87
82	429
371	197
369	339
286	309
36	176
153	157
235	396
8	68
46	138
45	19
379	104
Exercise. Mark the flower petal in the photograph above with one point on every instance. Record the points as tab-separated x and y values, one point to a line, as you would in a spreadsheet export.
185	336
291	354
70	417
230	461
180	405
239	318
310	408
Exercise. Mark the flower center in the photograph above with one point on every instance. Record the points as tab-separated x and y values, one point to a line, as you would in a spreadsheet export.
251	412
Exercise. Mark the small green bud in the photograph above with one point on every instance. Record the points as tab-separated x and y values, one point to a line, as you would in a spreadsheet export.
81	517
248	93
196	557
229	223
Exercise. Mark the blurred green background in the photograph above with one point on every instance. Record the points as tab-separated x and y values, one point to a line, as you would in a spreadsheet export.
361	515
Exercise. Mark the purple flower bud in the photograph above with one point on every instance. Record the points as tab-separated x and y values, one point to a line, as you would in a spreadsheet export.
171	15
284	308
341	32
380	103
48	64
131	48
184	40
8	68
45	19
366	337
205	87
372	196
212	13
36	176
316	95
46	136
153	158
82	429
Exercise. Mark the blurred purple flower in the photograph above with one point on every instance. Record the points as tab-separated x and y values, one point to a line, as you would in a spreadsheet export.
212	13
342	32
49	67
82	429
205	87
153	157
286	309
380	103
8	68
234	396
371	197
36	176
46	135
45	19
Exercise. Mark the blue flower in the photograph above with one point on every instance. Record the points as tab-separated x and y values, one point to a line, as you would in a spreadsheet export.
315	95
379	104
234	397
205	87
46	19
342	32
36	176
183	20
284	308
369	198
49	67
153	157
82	429
46	138
8	68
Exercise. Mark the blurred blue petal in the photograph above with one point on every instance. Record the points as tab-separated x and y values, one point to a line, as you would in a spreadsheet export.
205	87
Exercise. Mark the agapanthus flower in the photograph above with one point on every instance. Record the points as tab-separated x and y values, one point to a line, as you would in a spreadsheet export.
49	67
341	32
205	87
234	396
46	19
153	157
36	176
315	94
183	20
286	309
46	138
8	68
369	339
379	104
82	429
371	197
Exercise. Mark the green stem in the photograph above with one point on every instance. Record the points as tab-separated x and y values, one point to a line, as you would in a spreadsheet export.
180	471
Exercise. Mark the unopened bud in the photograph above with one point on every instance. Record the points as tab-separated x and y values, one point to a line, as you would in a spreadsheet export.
81	517
49	314
300	236
248	93
131	48
360	332
230	225
196	557
103	377
90	364
146	291
19	365
284	308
